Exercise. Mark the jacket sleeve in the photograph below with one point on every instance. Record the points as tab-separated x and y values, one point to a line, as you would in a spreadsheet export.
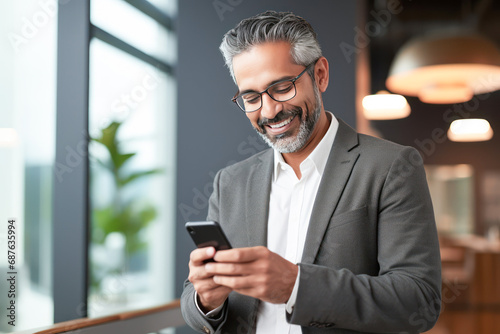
405	296
190	312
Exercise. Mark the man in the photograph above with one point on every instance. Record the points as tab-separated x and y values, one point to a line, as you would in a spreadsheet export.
333	231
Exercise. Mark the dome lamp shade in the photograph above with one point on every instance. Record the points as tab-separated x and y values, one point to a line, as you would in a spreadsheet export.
445	68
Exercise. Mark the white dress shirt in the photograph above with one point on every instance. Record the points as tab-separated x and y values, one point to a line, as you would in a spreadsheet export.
290	207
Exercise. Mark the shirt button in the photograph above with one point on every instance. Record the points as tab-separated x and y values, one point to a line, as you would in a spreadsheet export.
206	330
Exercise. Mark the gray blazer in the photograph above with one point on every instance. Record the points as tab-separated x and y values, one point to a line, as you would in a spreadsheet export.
371	259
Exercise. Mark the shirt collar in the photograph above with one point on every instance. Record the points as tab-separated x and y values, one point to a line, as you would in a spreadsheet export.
318	156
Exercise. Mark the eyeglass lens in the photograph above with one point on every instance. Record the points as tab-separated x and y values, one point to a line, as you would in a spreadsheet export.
280	91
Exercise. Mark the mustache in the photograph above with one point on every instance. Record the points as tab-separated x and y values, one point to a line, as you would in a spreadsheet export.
282	115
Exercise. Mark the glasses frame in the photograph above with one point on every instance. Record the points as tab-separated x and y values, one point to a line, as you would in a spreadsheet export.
270	86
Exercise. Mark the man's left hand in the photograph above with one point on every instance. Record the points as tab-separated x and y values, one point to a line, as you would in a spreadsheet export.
255	272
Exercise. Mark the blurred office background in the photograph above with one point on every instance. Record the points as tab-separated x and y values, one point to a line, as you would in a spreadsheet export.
116	115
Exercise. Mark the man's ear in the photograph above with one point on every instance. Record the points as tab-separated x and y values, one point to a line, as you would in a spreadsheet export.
322	74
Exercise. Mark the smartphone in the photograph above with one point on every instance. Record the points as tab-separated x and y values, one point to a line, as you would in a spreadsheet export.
208	233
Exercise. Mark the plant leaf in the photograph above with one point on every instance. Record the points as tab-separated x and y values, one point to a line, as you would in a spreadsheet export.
119	159
137	175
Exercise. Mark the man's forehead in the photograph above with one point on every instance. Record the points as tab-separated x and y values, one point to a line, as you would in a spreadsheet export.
262	64
278	52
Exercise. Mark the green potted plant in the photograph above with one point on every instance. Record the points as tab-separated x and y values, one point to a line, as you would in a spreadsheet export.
127	216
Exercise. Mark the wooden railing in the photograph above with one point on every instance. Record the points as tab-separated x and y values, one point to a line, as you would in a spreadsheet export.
143	321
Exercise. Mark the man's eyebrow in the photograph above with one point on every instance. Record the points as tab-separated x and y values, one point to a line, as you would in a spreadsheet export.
287	77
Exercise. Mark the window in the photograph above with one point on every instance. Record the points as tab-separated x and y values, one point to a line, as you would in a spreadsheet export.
131	100
452	192
27	150
131	59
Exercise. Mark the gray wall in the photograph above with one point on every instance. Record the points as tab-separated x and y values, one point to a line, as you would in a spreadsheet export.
212	132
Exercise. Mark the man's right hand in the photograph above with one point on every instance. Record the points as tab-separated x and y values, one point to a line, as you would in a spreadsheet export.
210	294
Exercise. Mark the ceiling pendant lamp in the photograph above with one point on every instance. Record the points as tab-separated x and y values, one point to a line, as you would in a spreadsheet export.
445	67
385	106
469	130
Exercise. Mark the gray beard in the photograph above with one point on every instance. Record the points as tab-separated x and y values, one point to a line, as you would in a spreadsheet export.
290	144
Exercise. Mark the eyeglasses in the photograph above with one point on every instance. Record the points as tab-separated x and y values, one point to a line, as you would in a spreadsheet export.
280	91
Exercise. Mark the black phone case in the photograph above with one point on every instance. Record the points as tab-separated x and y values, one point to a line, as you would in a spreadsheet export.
208	233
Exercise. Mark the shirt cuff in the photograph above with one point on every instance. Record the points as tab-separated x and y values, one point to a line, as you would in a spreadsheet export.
293	297
211	314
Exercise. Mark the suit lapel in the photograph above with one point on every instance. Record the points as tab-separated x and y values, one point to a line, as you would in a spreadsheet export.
337	171
257	210
256	214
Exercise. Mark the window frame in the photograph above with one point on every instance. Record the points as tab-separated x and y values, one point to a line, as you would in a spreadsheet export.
71	215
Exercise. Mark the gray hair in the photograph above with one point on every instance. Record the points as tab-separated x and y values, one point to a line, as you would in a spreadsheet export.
272	26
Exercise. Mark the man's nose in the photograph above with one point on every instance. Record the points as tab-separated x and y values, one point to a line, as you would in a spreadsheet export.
270	108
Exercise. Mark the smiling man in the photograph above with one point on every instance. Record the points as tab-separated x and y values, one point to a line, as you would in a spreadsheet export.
333	230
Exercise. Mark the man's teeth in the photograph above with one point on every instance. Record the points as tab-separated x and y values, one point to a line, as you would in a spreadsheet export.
279	125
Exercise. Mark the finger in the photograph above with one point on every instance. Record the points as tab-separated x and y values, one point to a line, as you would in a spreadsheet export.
236	282
199	255
207	284
247	254
229	269
197	273
208	287
249	286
